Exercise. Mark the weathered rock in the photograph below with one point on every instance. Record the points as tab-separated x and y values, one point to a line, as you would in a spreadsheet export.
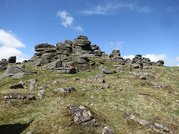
32	83
12	59
115	54
41	93
17	85
159	63
159	128
82	37
80	114
106	130
44	47
128	61
137	65
63	70
65	90
15	71
3	64
20	96
105	71
138	59
144	75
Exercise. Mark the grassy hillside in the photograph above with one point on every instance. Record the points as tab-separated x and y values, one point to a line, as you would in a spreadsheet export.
108	96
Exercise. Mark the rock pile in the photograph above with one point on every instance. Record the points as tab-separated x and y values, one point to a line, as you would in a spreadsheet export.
137	62
67	55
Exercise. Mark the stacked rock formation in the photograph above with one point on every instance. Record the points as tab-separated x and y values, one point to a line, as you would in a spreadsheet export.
116	57
67	55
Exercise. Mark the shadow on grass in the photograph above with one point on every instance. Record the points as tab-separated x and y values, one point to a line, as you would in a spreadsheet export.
13	128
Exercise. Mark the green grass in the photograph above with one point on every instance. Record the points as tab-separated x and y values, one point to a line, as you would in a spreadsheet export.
109	101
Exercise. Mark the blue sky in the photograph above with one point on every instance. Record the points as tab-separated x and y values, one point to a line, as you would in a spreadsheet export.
148	27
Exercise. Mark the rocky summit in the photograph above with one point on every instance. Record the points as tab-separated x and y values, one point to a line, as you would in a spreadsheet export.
68	55
73	87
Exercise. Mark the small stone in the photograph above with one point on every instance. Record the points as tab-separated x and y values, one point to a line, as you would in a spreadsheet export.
106	130
41	93
65	90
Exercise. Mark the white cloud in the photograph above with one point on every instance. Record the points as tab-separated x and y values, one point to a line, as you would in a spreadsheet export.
116	45
177	59
111	6
9	45
156	57
112	45
9	40
101	9
129	57
68	21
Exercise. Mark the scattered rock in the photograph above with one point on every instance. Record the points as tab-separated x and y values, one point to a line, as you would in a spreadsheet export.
41	93
32	83
159	128
20	96
106	130
65	90
105	71
63	70
17	85
144	75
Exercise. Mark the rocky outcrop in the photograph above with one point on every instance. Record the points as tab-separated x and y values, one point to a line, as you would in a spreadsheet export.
67	55
137	62
116	57
142	61
70	55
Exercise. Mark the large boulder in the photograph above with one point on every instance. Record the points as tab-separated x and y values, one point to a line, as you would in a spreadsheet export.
3	64
15	71
80	114
159	63
12	59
